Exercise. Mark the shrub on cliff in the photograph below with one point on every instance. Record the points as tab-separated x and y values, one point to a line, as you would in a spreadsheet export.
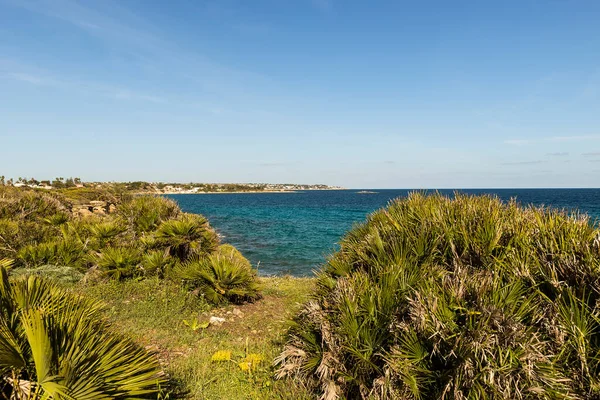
464	298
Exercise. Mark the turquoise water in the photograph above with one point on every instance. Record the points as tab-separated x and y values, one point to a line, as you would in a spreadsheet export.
293	232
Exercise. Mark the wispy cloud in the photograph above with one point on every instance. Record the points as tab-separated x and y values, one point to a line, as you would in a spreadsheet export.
560	154
35	76
523	162
576	138
518	142
560	139
131	37
33	79
126	94
592	154
273	164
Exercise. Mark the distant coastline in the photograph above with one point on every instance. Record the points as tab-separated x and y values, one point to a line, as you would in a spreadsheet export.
73	185
242	191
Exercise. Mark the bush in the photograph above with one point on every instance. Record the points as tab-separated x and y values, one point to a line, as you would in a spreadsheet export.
146	213
228	251
15	233
57	219
104	233
57	345
61	252
145	236
464	298
119	262
190	234
220	277
29	204
157	263
34	255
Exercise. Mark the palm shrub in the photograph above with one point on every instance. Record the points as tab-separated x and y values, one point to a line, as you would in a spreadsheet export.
58	252
33	255
118	262
228	251
16	233
224	276
56	345
145	213
104	232
187	235
10	238
157	263
463	298
57	219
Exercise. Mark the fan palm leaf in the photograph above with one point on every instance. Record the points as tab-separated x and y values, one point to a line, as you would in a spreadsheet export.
56	345
220	278
187	235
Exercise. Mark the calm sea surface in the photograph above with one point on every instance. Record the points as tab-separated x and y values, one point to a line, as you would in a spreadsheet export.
292	232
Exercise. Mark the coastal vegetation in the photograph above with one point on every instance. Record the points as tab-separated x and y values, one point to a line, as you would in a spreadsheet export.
432	297
59	255
143	236
463	298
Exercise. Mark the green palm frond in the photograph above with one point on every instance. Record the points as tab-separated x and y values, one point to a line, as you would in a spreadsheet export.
105	231
146	213
220	277
119	262
188	235
56	345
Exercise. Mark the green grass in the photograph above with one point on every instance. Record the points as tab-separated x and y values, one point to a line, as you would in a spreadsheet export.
153	312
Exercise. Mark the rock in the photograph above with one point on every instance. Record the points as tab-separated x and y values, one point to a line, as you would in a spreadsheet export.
84	212
112	208
99	210
98	203
216	321
237	312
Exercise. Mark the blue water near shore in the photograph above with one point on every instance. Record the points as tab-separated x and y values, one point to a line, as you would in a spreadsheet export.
293	232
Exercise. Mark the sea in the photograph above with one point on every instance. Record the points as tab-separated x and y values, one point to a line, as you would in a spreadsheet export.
292	233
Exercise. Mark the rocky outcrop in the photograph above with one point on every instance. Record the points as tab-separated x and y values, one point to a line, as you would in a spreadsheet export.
94	207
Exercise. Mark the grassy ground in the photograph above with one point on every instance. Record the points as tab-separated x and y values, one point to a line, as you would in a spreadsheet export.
161	316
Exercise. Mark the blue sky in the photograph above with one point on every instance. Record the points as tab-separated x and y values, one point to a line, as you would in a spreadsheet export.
381	94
